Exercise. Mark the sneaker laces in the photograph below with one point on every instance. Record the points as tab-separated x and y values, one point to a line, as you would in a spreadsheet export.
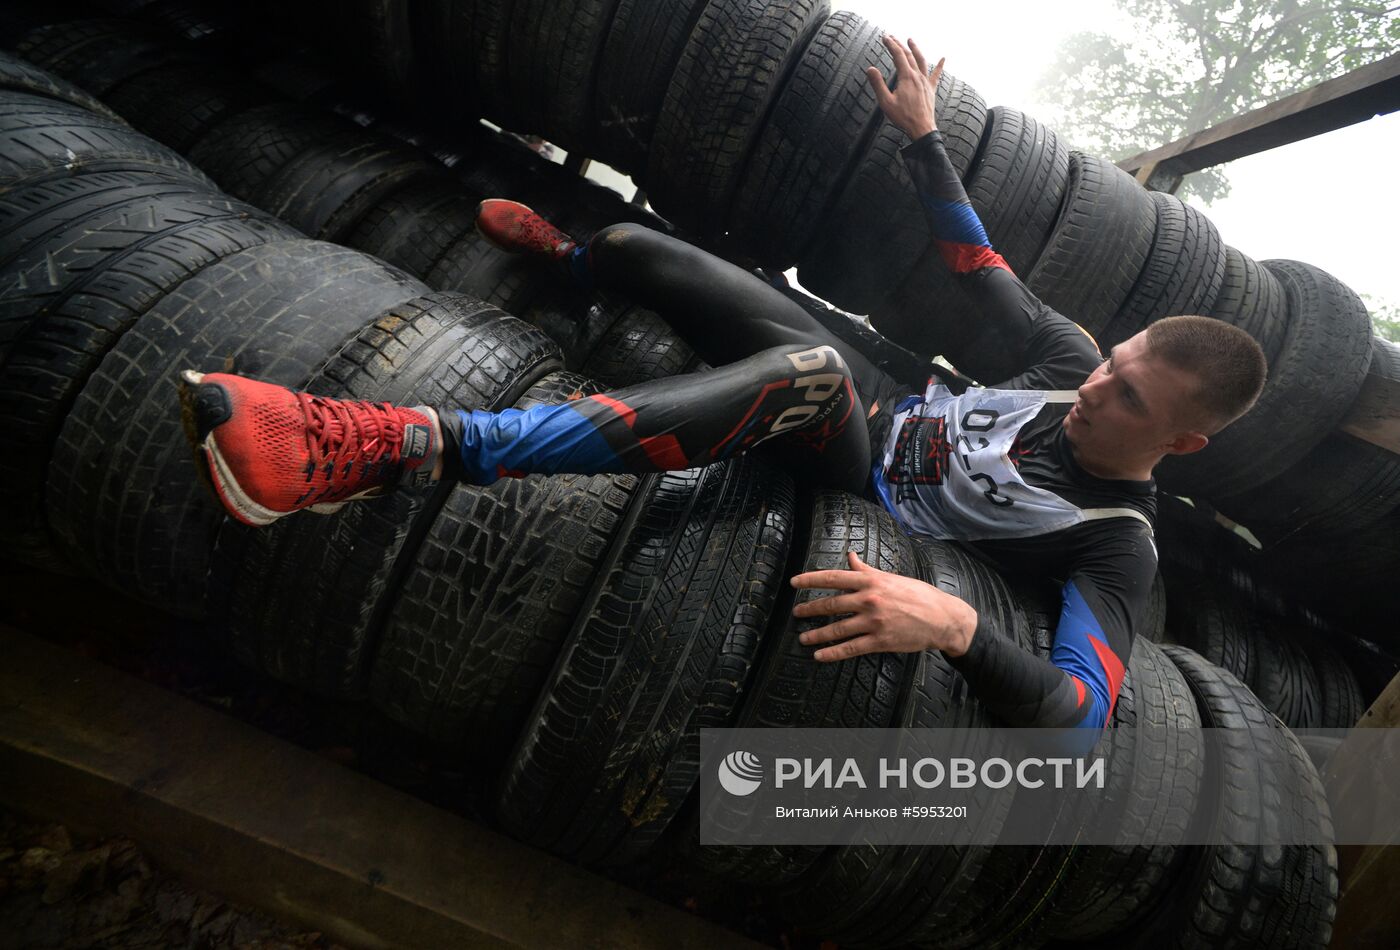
339	429
539	231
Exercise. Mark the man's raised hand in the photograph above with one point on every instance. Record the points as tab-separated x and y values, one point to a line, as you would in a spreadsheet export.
910	105
889	613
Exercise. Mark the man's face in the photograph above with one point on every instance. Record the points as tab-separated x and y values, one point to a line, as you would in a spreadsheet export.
1131	406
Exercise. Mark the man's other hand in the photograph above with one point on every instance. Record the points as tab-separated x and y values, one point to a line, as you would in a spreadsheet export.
910	105
889	613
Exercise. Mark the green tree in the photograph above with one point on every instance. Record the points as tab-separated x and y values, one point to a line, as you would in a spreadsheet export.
1190	64
1385	317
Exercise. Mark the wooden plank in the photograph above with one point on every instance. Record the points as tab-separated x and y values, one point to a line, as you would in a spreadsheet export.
1375	416
262	822
1368	915
1359	95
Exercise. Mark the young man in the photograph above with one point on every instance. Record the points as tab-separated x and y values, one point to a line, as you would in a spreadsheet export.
1050	471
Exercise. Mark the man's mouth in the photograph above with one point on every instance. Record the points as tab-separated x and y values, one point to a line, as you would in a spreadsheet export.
1077	415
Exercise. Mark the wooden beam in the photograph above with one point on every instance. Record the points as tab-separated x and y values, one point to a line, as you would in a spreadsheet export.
1359	95
1375	416
1368	915
254	819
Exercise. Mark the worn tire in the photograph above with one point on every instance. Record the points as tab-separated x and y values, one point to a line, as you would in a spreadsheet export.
734	64
72	293
491	594
97	55
1153	794
178	105
663	648
1182	275
1240	894
643	45
245	153
326	189
413	227
19	75
887	896
820	125
637	346
790	690
1099	244
42	139
1324	360
552	61
123	497
304	599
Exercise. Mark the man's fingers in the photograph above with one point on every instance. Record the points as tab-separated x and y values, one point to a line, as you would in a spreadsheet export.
883	96
937	73
842	629
902	63
844	651
853	559
835	580
919	61
827	606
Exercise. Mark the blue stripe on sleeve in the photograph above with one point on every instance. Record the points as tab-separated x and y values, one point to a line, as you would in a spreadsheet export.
955	221
1074	654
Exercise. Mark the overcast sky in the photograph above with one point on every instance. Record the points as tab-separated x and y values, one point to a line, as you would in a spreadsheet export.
1328	200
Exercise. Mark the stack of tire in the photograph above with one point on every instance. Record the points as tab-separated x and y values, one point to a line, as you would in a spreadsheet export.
576	633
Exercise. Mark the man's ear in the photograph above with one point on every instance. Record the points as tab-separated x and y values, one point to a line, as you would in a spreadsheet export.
1187	442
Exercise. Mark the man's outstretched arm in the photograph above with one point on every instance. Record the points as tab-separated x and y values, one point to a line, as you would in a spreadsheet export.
1055	352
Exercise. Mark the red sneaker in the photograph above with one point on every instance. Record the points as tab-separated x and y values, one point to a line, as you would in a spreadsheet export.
268	451
513	227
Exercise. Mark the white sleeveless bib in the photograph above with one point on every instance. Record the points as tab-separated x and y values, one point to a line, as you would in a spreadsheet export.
963	484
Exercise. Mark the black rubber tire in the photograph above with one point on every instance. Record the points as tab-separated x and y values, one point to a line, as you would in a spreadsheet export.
1252	299
42	139
413	227
821	124
19	75
1016	185
1286	683
326	189
1343	485
1242	895
178	105
1153	793
887	896
97	55
466	45
1311	385
33	219
663	648
637	346
734	64
1218	625
1099	244
1183	273
248	151
643	45
73	292
123	497
552	61
304	599
491	595
473	265
1338	688
790	690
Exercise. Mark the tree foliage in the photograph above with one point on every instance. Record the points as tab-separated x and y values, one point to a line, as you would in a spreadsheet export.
1190	64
